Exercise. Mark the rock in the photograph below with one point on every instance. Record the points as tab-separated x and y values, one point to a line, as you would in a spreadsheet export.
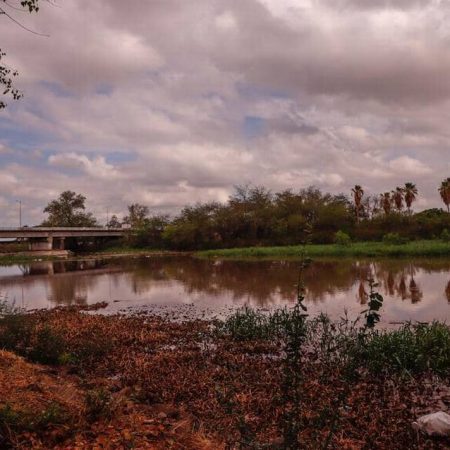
435	424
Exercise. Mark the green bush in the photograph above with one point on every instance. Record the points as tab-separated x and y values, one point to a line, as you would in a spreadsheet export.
445	235
246	324
412	348
48	347
15	333
13	420
394	239
341	238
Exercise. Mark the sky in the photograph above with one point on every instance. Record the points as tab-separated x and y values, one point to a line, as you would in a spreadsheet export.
170	102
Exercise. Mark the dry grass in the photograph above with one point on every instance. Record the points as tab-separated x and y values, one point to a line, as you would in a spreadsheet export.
160	384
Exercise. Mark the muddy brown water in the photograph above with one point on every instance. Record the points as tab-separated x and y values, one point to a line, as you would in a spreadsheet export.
417	290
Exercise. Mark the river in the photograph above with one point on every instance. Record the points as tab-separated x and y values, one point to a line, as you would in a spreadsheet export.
417	290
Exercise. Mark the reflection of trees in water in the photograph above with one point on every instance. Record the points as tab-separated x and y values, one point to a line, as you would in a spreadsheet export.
415	292
69	290
266	282
401	289
263	281
390	283
143	276
363	296
363	271
71	281
397	279
259	282
67	282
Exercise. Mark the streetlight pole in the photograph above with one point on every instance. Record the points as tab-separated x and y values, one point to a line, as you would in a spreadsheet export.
20	212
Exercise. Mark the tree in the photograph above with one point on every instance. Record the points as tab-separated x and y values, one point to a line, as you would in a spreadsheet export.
410	191
7	74
444	191
137	215
358	194
397	197
68	211
114	222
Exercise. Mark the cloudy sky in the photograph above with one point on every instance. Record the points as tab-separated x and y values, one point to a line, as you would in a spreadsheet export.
168	102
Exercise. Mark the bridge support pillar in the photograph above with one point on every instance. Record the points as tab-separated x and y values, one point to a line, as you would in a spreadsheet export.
58	243
40	244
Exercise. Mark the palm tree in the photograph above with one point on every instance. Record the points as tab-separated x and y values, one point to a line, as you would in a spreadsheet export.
386	202
358	194
410	191
397	196
444	191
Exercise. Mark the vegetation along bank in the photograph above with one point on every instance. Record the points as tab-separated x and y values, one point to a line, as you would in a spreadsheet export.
359	249
256	216
69	379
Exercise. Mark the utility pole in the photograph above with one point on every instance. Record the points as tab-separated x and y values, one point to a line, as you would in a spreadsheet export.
107	217
20	212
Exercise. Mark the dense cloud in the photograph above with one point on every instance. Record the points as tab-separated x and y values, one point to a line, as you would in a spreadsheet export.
169	102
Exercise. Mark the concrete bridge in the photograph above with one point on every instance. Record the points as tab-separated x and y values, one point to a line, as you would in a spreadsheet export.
53	238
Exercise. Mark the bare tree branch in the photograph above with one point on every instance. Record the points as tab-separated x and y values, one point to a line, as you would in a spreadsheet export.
2	11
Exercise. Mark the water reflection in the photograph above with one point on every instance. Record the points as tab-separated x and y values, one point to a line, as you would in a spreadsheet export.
422	286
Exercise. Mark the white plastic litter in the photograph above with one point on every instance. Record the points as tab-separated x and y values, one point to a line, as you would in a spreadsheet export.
435	424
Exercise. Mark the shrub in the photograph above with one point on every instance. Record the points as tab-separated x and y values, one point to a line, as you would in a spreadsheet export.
66	358
341	238
15	333
26	420
412	348
394	239
445	235
53	414
246	324
90	347
98	404
47	347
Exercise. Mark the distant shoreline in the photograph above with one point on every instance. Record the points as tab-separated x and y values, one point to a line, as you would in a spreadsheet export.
27	257
423	248
367	249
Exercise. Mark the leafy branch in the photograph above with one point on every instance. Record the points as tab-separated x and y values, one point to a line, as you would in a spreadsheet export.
7	74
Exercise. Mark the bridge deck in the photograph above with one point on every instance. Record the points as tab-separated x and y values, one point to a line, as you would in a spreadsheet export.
59	232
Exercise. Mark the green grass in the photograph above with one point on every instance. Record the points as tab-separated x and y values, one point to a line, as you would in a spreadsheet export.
409	349
114	251
16	259
414	248
126	251
249	324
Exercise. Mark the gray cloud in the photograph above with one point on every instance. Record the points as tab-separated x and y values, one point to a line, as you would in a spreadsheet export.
169	102
381	4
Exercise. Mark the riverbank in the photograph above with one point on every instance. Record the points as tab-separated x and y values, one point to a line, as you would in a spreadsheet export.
424	248
357	249
28	257
142	381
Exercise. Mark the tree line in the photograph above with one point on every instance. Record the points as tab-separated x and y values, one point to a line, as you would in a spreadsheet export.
254	215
